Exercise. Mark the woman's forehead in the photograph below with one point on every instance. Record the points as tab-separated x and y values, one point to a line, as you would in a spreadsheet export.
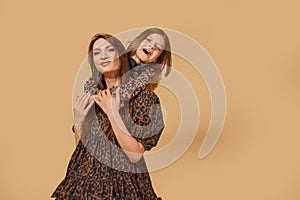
101	44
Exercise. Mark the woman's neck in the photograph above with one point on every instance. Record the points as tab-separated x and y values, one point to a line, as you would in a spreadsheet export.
111	81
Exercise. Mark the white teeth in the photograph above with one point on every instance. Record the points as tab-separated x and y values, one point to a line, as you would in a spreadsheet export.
147	51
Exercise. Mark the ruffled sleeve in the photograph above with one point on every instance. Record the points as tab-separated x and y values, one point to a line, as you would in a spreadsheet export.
139	77
91	86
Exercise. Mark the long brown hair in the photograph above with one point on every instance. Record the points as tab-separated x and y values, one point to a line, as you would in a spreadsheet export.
165	57
121	53
124	67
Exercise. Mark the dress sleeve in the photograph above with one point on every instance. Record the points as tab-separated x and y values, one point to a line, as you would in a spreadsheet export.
91	86
146	119
138	78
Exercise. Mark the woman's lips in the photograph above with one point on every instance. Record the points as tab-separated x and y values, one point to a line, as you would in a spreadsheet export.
105	63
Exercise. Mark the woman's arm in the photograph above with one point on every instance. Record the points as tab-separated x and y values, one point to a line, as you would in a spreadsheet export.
132	148
137	79
145	128
134	81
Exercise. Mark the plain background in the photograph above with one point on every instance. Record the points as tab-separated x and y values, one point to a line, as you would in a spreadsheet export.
255	45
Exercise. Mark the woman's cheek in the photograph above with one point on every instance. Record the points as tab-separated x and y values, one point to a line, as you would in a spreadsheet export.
96	59
112	55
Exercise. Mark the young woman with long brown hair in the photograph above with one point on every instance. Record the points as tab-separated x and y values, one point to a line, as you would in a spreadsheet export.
108	161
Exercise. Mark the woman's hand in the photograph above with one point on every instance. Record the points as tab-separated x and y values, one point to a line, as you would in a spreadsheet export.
80	110
107	102
92	98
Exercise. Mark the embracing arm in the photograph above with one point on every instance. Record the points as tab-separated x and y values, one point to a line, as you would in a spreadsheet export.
145	125
131	147
139	77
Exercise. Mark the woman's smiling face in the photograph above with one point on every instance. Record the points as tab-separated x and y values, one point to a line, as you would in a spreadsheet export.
150	48
105	57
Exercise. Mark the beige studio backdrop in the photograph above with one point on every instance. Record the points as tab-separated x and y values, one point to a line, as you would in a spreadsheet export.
255	45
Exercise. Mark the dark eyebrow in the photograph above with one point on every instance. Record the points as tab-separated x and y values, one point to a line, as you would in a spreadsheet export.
108	46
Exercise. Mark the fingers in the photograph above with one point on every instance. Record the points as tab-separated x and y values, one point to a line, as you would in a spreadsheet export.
96	98
82	101
103	94
78	99
99	97
88	107
86	100
91	99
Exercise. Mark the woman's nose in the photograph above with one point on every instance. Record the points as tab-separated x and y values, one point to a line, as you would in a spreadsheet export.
104	55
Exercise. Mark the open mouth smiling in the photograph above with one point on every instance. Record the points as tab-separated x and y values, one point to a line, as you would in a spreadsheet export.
147	52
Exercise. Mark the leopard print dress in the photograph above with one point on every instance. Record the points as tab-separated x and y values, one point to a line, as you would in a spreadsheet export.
100	170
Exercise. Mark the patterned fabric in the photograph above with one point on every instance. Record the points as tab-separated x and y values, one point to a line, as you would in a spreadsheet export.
139	77
99	169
